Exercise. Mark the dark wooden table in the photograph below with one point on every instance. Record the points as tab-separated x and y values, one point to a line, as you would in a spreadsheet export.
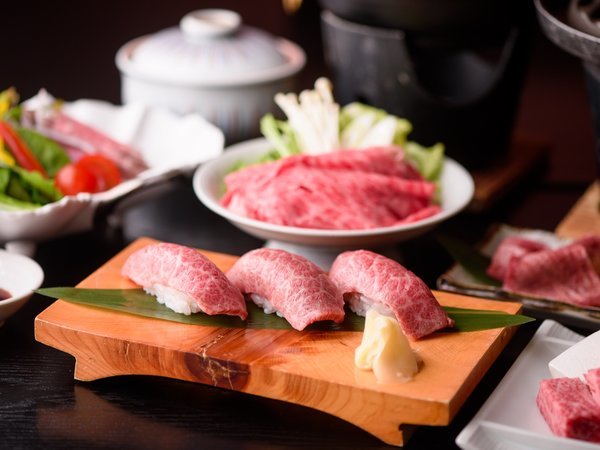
68	48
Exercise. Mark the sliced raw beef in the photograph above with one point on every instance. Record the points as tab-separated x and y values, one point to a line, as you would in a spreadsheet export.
177	274
592	378
591	243
342	190
422	214
289	285
511	247
564	274
127	158
383	160
253	177
569	409
330	199
368	279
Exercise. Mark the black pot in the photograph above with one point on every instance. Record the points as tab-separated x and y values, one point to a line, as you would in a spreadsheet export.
462	91
577	37
441	22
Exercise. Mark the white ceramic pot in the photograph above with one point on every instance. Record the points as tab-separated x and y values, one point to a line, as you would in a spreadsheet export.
213	65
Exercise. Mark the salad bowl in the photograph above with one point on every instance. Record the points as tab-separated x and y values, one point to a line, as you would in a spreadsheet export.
320	245
170	145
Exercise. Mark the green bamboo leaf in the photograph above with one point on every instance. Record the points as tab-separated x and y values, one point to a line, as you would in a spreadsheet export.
138	302
477	319
470	259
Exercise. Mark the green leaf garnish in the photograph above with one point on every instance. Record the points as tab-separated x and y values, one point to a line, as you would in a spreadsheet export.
138	302
480	319
470	259
50	154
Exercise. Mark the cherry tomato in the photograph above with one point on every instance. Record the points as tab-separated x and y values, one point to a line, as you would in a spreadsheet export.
71	180
104	169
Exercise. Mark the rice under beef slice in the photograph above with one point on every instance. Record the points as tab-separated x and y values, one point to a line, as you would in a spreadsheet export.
569	409
349	189
185	280
288	284
368	279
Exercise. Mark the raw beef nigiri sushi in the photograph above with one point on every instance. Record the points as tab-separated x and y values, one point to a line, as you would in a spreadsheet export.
288	284
369	280
184	280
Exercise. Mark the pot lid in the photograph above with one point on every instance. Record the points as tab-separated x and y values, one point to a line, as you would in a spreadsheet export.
213	47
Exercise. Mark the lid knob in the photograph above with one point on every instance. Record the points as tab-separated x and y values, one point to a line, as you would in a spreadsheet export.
208	23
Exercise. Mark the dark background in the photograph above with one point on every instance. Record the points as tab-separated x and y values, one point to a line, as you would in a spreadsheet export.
68	47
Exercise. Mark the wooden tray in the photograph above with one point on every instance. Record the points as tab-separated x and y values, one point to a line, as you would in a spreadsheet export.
584	217
313	369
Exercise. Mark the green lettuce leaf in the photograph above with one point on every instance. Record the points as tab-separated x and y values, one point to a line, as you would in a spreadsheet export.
364	126
4	178
41	189
429	161
12	204
51	155
22	189
280	135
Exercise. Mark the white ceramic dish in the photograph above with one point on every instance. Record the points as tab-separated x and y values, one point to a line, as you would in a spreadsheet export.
227	73
577	360
510	419
20	276
321	245
169	144
457	279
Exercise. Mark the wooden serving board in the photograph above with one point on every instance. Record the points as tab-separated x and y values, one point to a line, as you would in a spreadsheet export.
584	217
310	368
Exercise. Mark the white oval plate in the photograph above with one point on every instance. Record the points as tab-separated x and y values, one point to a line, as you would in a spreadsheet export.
510	418
456	183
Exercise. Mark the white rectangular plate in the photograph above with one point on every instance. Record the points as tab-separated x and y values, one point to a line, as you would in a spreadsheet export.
510	418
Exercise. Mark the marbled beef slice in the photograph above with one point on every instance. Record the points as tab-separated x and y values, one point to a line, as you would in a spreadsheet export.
568	408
